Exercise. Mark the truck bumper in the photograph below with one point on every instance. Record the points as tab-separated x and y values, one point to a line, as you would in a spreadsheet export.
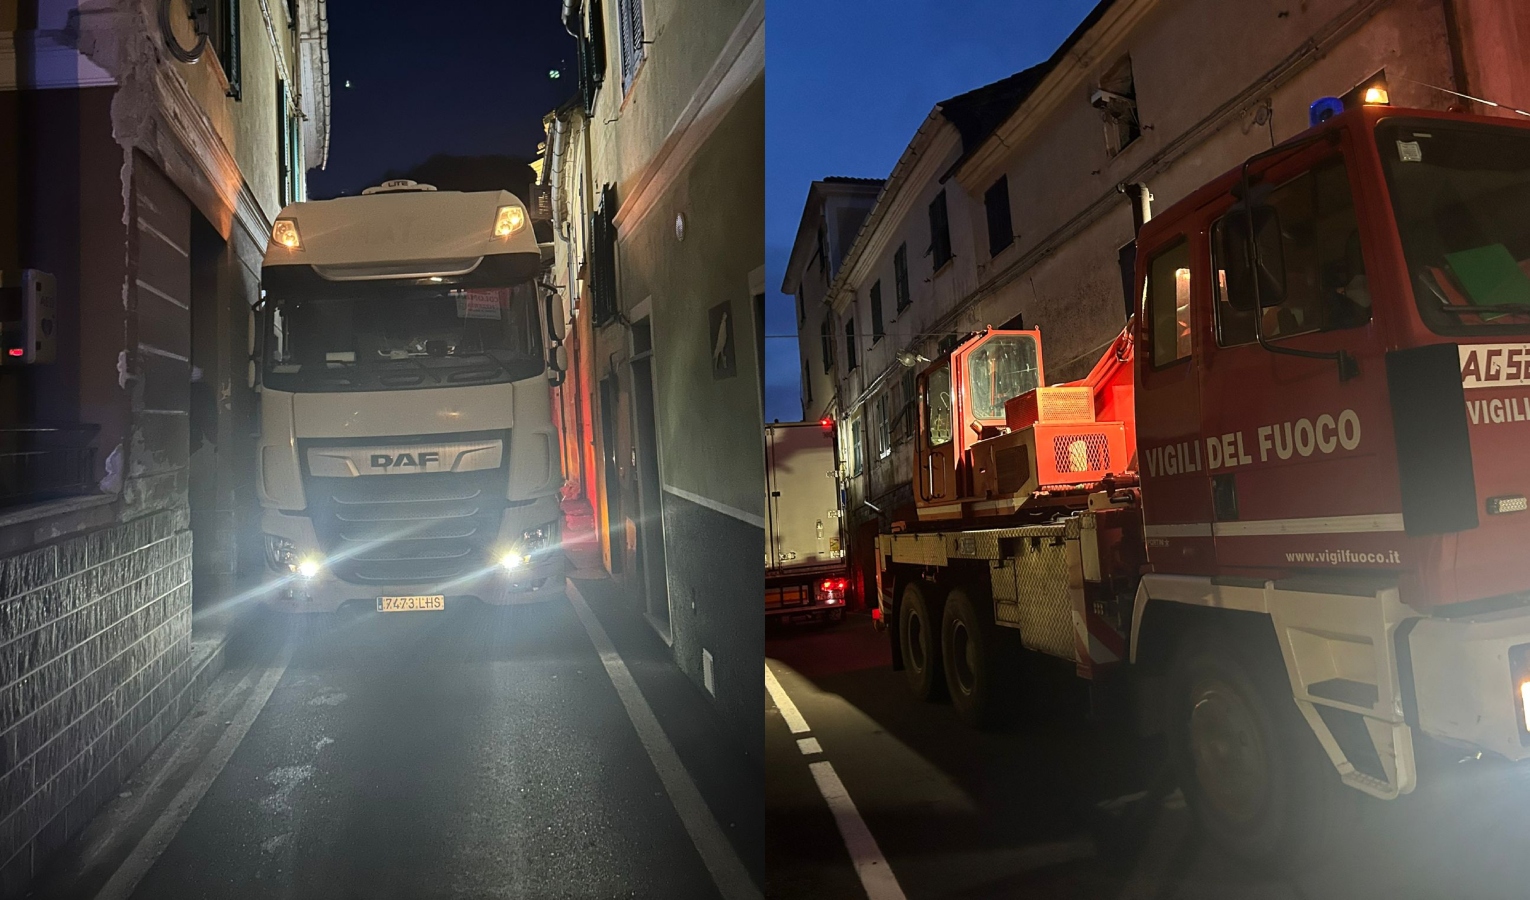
324	593
1467	680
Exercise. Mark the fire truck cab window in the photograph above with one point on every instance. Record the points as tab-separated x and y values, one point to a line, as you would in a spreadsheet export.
1460	192
937	406
1310	269
1168	302
1001	368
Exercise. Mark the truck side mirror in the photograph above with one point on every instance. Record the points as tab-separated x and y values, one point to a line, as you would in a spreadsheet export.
557	317
1240	257
557	364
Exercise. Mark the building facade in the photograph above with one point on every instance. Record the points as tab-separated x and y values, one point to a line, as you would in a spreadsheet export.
831	218
1013	205
141	165
657	177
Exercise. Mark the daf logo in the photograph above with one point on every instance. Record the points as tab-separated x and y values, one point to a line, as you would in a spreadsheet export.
405	460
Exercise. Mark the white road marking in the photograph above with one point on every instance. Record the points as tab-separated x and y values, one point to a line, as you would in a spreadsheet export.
788	709
164	829
727	870
876	875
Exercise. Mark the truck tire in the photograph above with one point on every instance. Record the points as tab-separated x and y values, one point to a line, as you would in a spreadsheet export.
1251	770
919	640
973	661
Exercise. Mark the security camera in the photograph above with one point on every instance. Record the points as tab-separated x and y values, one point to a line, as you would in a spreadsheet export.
1104	100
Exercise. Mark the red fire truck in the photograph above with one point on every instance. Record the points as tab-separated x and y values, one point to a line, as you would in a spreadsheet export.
1290	499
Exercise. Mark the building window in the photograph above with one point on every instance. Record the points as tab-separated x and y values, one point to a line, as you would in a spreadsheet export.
884	427
289	147
857	445
903	421
592	56
603	258
900	276
877	329
826	334
629	15
801	309
224	37
940	231
1001	233
850	358
1116	100
292	14
823	253
807	387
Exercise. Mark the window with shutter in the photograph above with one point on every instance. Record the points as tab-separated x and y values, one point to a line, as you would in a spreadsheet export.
603	264
1001	232
877	329
940	231
826	333
807	385
225	42
900	276
630	29
592	56
850	356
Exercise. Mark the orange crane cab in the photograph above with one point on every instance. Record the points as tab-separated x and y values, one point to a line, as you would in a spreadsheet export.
1289	501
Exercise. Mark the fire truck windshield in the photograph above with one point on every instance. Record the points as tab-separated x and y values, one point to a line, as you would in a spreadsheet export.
1001	368
398	337
1461	193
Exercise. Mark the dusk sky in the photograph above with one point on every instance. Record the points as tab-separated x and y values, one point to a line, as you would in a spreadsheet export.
425	78
847	83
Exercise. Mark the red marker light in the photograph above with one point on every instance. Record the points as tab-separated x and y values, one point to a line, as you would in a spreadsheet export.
17	351
826	422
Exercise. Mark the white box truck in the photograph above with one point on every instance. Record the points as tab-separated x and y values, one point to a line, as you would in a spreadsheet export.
805	573
407	456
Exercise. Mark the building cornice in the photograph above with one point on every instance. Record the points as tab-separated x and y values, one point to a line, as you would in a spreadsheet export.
54	63
740	63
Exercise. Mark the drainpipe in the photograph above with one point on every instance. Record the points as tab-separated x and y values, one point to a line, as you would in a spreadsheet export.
1142	204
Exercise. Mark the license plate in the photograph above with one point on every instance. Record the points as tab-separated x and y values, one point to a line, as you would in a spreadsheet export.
411	604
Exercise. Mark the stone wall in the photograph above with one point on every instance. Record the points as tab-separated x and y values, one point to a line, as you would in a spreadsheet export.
95	669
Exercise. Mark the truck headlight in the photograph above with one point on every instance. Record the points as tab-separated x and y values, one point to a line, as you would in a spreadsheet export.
1519	674
285	232
508	220
282	555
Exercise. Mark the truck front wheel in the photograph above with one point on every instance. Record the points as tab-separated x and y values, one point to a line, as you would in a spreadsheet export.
1248	763
919	640
973	662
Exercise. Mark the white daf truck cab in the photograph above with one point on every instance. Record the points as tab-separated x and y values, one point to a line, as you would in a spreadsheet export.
408	455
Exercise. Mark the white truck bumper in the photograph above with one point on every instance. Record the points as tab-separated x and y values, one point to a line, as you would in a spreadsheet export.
1467	684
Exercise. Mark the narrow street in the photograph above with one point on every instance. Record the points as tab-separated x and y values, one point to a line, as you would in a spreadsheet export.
1028	811
479	752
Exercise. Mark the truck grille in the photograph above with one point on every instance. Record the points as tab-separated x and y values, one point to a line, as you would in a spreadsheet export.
408	529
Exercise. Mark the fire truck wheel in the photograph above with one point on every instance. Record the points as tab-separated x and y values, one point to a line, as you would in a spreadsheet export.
919	638
1249	765
972	662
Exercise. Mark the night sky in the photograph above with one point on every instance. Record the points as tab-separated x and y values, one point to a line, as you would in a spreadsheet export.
439	77
847	84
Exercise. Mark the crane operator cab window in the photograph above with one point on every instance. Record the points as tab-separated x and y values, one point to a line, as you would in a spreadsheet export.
1305	260
1001	368
937	406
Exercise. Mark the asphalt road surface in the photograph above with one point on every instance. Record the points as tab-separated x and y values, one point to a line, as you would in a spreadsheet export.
870	793
476	753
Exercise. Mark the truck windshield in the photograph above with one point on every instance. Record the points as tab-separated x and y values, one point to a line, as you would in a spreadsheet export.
1461	193
374	337
1003	367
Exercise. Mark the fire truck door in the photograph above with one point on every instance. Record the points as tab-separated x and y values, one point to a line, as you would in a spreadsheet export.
1176	495
936	477
1292	449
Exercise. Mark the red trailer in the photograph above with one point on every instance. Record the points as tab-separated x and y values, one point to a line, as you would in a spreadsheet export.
1290	499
